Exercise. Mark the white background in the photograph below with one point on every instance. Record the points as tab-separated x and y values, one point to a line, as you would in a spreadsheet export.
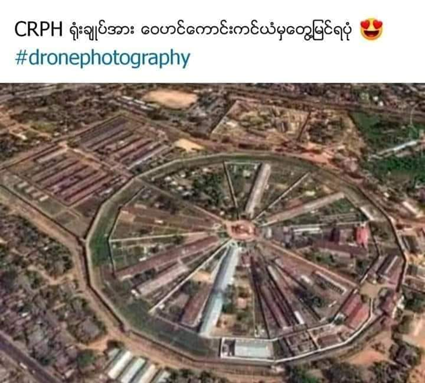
398	56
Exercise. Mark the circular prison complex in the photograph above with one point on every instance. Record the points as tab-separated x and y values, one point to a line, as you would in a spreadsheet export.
250	257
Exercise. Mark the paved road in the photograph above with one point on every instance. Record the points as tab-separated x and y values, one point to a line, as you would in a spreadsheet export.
37	372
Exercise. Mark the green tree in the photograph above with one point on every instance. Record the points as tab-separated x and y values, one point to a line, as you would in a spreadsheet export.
85	358
344	373
415	302
405	325
300	375
115	344
385	372
8	280
178	239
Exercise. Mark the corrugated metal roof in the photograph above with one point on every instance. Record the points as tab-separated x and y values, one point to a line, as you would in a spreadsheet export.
118	364
131	370
146	374
253	349
162	377
215	303
227	268
212	312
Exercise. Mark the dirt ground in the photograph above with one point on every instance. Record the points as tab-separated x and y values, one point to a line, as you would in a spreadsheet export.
173	99
370	355
127	217
418	331
370	289
226	323
418	374
188	145
202	276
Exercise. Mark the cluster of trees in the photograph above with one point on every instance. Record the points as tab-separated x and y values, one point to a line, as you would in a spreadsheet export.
405	325
385	372
382	134
65	109
379	372
323	133
85	359
187	376
191	287
8	279
210	185
344	373
334	373
309	298
11	145
300	375
52	255
415	302
56	259
410	166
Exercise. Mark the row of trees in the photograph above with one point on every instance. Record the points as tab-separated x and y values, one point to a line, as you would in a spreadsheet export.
379	372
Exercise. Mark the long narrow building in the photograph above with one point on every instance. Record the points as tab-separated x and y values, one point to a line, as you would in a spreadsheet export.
216	300
118	364
170	256
193	310
145	375
162	280
131	370
305	208
258	189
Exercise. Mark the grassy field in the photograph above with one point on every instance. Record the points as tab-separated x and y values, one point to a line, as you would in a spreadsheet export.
99	245
166	332
156	328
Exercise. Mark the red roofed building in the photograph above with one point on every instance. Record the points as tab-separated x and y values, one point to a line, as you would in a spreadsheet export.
362	236
193	309
340	250
358	316
354	311
169	256
350	304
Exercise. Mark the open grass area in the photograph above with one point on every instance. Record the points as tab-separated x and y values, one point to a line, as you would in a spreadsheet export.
156	328
99	245
166	332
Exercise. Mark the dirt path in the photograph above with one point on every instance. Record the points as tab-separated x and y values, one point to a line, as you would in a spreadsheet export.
368	357
51	280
